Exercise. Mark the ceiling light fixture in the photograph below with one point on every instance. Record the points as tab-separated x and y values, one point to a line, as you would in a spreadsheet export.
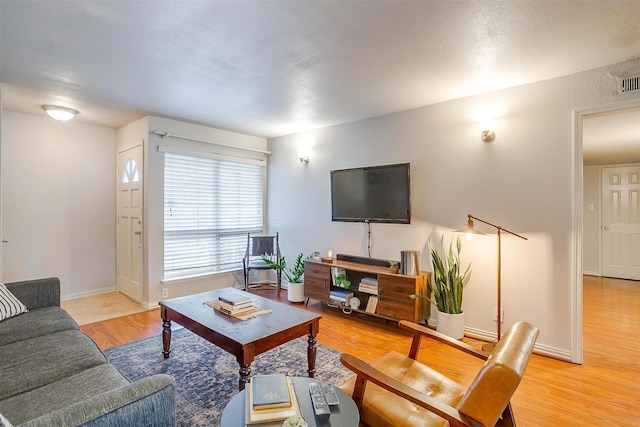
59	113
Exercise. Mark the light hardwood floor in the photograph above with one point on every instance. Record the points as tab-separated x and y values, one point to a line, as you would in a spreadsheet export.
604	390
101	307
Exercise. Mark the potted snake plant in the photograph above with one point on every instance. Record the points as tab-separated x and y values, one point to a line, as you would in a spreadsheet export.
447	286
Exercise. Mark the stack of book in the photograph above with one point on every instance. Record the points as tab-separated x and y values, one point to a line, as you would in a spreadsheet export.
369	285
270	399
234	305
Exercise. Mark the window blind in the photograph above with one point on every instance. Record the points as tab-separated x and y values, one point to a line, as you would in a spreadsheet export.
209	207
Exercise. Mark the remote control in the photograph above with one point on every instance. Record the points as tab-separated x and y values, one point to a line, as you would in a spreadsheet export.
330	394
319	402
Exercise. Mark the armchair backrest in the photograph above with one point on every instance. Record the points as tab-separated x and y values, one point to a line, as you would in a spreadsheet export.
491	390
262	245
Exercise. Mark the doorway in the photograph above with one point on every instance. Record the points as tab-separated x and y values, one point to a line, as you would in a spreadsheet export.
596	146
129	245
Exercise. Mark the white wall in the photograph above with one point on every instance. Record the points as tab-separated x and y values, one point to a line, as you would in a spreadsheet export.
154	196
58	191
522	181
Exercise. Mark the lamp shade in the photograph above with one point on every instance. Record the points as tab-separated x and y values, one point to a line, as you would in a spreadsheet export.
470	230
59	113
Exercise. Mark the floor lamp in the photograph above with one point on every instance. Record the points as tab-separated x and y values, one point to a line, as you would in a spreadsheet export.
470	231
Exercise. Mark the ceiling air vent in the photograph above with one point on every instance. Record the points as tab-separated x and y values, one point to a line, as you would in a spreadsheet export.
630	84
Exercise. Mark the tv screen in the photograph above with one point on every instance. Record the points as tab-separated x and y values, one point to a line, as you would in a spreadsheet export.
371	194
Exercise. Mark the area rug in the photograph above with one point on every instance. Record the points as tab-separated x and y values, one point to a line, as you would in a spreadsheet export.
207	377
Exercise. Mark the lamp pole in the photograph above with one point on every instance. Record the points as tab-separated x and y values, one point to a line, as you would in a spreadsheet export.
500	229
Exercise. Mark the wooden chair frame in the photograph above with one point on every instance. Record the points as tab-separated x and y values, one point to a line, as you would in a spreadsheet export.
248	265
366	373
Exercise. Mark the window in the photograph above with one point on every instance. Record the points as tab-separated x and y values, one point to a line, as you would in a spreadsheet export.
210	204
130	172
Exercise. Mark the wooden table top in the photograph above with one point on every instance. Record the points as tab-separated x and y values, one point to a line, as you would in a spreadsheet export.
243	332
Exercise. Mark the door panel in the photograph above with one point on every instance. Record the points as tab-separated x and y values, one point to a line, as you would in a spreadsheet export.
621	222
130	239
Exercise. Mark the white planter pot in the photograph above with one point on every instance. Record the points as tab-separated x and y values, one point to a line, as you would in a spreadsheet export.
295	292
450	324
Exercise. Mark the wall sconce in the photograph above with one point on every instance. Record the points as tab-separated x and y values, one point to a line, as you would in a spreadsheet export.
59	113
303	157
487	136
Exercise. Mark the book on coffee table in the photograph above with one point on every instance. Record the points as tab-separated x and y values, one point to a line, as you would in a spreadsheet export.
234	299
234	307
269	392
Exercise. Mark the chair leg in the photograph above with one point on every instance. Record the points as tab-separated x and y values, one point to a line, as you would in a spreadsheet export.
507	417
246	276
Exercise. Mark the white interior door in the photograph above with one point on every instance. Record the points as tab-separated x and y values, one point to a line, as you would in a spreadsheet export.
621	222
130	239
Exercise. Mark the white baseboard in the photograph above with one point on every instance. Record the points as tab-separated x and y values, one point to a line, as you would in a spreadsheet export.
76	295
541	349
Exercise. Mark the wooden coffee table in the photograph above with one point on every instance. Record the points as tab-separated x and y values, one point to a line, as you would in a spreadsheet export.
244	339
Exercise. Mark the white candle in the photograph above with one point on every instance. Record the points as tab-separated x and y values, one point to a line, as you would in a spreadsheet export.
329	254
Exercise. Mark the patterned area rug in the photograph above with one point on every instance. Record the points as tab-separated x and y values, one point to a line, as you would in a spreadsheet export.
207	377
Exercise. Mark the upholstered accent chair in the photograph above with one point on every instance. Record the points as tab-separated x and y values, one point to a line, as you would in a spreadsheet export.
399	391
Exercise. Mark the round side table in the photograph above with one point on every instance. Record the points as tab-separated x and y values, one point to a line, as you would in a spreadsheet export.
345	414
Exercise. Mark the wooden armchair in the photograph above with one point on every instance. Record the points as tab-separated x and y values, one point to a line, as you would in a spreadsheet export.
399	391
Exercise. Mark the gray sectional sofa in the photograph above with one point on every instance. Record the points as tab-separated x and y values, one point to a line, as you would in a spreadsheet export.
52	374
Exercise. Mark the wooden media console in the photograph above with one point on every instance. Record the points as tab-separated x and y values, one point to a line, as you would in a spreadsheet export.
393	301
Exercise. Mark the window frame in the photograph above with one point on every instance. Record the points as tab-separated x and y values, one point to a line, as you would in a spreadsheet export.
171	274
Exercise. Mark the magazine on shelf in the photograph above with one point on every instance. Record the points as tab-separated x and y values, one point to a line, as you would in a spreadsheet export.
368	289
372	303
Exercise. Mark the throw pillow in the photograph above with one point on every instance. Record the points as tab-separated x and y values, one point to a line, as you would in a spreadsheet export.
4	422
9	305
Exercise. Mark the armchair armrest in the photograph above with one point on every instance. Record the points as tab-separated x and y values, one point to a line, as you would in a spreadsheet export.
421	331
37	293
366	373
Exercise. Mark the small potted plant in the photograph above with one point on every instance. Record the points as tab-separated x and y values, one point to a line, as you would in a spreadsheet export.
293	275
394	267
446	286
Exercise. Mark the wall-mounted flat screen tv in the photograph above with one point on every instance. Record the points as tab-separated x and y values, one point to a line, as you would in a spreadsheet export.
371	194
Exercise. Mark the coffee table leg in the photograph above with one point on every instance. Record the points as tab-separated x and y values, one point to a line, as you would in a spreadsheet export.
166	337
245	373
311	354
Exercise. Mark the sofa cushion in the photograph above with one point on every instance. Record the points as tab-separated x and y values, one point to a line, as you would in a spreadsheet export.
36	323
9	305
32	363
67	391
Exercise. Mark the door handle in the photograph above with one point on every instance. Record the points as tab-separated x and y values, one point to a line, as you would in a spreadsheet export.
606	227
138	233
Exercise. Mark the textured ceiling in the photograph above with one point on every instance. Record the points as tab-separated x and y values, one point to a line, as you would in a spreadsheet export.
271	68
